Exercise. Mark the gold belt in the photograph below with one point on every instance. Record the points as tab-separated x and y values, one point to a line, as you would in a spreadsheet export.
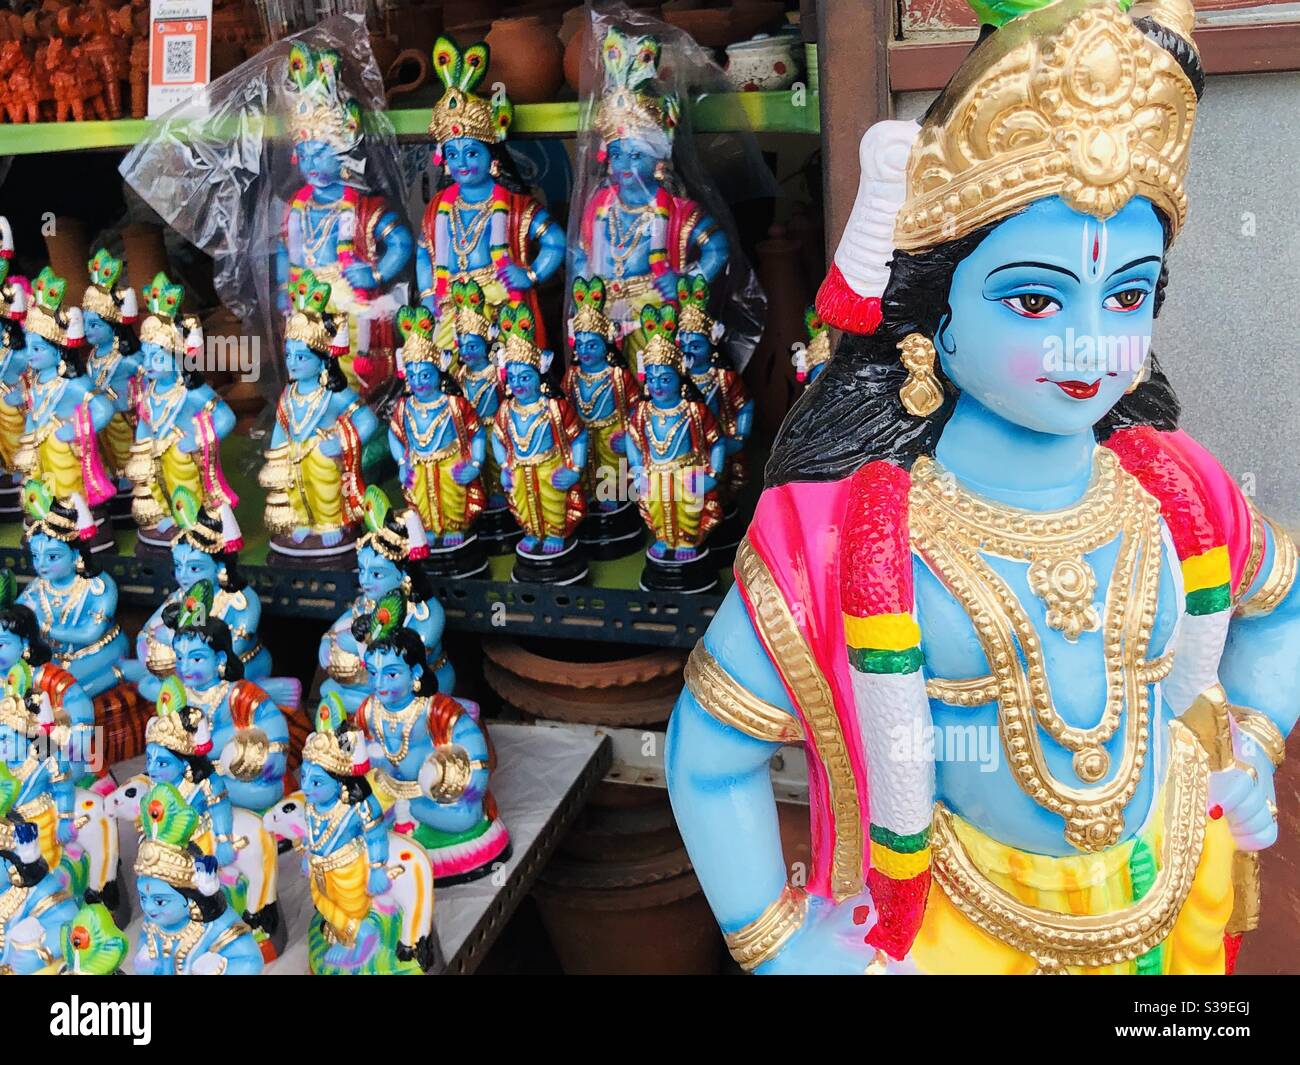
626	288
1056	940
398	789
322	864
681	462
442	453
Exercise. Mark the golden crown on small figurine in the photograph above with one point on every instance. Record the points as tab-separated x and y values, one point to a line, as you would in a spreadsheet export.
168	730
163	861
1072	100
15	715
661	351
325	750
590	319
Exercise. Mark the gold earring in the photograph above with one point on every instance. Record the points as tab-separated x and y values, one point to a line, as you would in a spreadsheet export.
921	393
1143	374
661	170
221	669
406	585
222	576
323	378
495	168
63	368
81	564
27	654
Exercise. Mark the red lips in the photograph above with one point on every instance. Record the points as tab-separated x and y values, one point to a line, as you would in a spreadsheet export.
1075	389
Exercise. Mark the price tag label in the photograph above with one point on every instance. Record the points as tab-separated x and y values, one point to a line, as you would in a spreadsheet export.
180	51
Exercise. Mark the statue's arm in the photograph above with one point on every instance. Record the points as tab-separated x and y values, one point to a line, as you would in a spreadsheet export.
551	245
714	247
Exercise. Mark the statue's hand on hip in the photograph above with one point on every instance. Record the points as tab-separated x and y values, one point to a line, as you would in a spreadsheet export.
363	276
1245	795
831	940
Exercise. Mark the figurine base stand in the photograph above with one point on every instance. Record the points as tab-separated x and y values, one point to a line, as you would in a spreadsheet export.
119	509
312	553
152	543
467	560
609	534
563	567
498	531
688	577
11	505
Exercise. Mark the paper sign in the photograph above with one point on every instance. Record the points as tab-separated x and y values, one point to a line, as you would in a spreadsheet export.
180	51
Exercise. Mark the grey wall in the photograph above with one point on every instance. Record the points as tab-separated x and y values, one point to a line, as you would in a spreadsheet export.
1229	332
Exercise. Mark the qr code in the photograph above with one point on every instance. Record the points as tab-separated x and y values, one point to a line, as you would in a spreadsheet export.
179	53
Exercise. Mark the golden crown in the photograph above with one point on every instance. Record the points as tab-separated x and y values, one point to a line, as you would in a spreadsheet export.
463	114
1071	100
164	861
661	351
471	322
325	750
589	319
15	715
694	319
101	302
168	730
310	329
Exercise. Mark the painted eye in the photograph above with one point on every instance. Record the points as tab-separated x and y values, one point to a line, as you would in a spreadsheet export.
1033	305
1128	300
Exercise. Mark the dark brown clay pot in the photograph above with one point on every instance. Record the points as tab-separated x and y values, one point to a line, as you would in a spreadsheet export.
527	58
644	917
621	823
638	690
145	254
579	51
68	250
770	374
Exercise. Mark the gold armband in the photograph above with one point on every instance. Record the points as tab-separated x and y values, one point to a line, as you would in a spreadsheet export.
764	936
1281	576
1261	729
727	700
455	768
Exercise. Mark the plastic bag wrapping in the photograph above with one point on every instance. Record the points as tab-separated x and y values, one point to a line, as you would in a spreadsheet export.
223	169
687	72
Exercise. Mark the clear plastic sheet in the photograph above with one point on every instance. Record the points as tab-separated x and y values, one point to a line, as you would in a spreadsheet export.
220	170
687	71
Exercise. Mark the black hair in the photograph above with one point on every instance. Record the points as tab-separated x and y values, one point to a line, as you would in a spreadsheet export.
127	341
448	384
335	379
21	621
235	580
214	632
407	643
210	907
353	790
852	413
11	335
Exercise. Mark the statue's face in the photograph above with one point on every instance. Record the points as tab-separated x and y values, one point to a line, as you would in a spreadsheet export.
376	575
632	164
159	363
161	765
1051	314
99	333
422	379
41	354
52	559
161	903
589	349
524	381
473	350
317	785
319	164
190	565
301	363
197	664
391	678
12	647
663	385
696	347
468	161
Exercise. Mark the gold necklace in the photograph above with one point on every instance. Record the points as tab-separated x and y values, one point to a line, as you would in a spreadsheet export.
315	402
1094	816
209	700
179	944
46	397
68	601
535	411
10	903
441	414
321	830
315	234
603	380
465	236
624	241
405	719
173	398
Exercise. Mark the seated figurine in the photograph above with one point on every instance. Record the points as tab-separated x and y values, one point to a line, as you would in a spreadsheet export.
313	467
65	415
206	548
810	359
178	752
676	455
93	945
189	928
372	889
541	447
34	907
113	362
428	751
439	445
75	604
180	421
603	392
388	560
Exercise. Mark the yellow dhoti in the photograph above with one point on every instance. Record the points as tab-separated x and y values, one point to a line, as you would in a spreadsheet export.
42	813
539	507
950	942
115	440
312	496
171	470
434	493
676	514
603	462
12	422
59	466
338	889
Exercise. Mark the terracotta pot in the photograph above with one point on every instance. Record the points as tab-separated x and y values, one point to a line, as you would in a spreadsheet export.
527	58
68	249
621	823
145	254
770	374
409	71
638	690
578	50
643	917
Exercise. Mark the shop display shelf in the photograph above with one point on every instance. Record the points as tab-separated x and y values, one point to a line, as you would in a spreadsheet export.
763	112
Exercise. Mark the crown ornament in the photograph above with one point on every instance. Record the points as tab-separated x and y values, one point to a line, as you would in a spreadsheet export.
48	318
69	519
324	333
168	825
336	746
1072	100
460	112
589	316
416	326
659	324
694	317
164	325
322	110
103	296
213	533
628	110
471	306
177	726
411	543
519	330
